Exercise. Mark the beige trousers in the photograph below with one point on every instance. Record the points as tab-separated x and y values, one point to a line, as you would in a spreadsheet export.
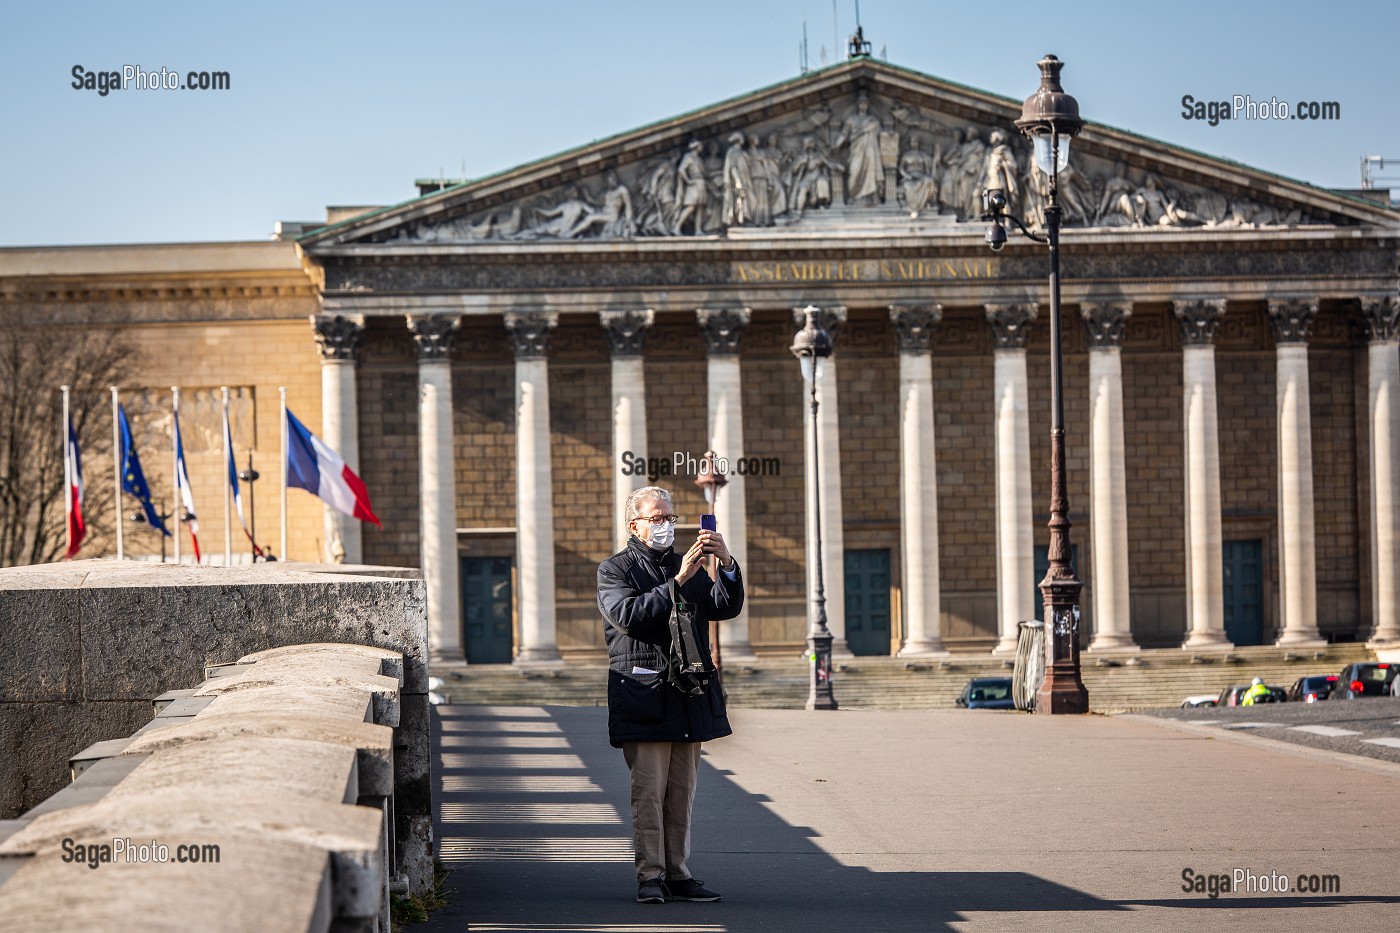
663	789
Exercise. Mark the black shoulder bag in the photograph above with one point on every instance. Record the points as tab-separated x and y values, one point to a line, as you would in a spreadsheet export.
686	667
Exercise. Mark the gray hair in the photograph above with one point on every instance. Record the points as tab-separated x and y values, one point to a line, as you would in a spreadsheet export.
646	494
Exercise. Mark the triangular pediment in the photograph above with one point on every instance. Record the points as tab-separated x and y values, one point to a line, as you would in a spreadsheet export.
861	147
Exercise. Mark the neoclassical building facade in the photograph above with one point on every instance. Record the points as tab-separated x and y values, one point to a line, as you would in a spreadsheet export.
504	359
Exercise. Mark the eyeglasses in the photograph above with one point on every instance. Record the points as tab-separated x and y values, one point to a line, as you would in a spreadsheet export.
658	520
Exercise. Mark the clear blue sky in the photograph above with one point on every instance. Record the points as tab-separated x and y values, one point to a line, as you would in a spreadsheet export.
348	102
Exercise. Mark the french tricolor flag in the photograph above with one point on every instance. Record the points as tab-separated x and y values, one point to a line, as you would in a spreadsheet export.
73	490
313	466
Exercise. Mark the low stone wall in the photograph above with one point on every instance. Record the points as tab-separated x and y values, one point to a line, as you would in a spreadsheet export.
86	645
263	798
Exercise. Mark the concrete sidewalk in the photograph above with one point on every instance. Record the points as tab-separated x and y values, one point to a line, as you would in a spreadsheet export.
922	820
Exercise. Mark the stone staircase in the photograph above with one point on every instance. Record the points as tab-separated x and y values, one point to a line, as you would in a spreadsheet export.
1116	682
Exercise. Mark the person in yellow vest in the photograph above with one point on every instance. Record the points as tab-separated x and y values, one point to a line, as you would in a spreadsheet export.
1256	690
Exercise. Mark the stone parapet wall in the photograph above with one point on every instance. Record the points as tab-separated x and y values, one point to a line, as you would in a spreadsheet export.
85	646
262	799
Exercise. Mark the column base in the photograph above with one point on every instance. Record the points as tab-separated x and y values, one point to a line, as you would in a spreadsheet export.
1300	639
446	656
538	657
924	648
1007	645
1207	640
841	650
1384	638
1113	641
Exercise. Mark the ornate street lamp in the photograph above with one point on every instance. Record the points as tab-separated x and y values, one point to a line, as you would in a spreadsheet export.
811	346
711	481
1050	118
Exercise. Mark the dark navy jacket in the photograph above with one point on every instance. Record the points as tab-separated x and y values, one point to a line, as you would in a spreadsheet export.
634	596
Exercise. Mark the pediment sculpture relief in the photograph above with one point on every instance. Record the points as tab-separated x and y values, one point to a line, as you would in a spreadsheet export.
873	159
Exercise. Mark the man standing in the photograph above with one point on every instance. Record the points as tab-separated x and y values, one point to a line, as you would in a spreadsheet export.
658	727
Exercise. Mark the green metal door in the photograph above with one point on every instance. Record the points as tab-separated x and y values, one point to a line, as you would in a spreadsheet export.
868	601
1244	592
486	608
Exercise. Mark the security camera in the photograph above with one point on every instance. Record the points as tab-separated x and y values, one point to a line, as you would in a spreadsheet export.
996	237
994	200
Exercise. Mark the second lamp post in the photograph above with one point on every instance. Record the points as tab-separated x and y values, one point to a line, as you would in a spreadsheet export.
811	346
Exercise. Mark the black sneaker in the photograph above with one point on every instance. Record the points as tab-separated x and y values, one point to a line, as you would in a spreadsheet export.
652	891
690	889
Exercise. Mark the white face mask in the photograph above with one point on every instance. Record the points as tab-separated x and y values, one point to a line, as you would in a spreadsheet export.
662	536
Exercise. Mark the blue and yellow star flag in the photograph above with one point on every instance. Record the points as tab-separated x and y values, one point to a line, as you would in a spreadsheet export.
134	478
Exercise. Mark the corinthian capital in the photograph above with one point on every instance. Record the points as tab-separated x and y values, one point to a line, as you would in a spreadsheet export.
433	335
722	328
914	326
1381	315
1104	322
1292	318
338	335
626	330
529	332
1011	324
1198	319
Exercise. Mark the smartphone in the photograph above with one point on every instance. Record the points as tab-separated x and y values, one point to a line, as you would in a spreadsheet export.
707	523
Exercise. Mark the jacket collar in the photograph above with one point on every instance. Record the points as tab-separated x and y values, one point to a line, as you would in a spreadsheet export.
645	550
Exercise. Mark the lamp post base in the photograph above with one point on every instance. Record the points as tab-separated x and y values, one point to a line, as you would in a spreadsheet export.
820	694
1062	692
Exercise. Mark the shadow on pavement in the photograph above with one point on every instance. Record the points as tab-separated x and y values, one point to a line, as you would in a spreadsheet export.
534	825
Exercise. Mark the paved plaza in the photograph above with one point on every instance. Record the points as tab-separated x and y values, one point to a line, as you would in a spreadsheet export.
923	820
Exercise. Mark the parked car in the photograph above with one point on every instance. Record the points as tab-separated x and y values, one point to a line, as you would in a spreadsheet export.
1312	688
1199	700
1364	679
986	693
1233	696
1230	696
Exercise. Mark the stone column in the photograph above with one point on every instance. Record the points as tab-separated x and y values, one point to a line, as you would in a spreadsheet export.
626	330
433	334
918	481
338	336
722	329
534	493
1108	493
833	536
1011	325
1382	319
1292	320
1205	583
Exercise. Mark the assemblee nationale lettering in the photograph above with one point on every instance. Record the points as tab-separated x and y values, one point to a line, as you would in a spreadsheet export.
856	270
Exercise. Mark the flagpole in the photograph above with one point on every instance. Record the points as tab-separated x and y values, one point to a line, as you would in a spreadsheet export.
117	473
175	473
67	477
228	490
282	393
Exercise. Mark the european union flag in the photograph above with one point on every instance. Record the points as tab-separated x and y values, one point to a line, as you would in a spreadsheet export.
134	478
